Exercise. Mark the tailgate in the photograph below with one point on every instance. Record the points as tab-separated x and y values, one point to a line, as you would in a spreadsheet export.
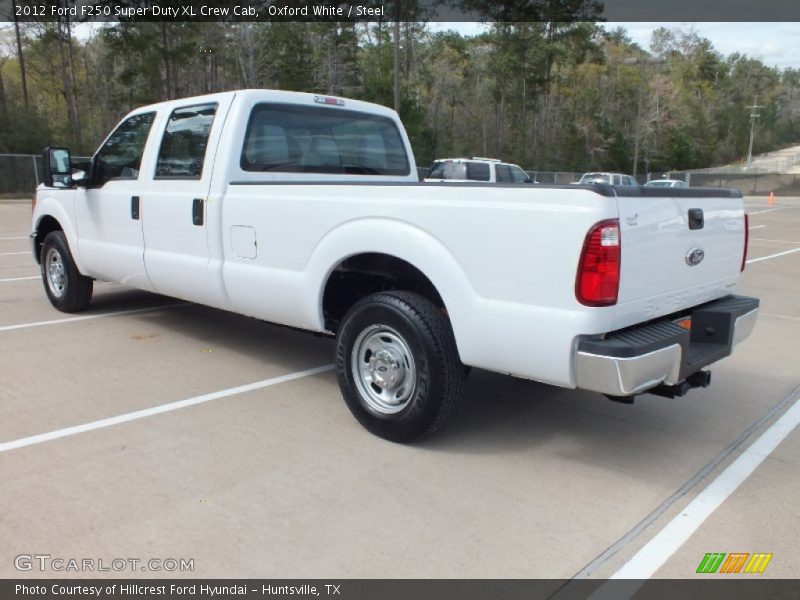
680	247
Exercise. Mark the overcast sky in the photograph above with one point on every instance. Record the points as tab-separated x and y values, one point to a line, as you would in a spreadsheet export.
776	44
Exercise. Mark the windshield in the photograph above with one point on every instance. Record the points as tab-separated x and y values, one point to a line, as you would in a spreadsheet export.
448	169
451	169
659	184
595	178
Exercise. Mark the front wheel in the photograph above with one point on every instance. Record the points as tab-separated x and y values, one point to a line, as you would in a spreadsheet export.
398	365
66	288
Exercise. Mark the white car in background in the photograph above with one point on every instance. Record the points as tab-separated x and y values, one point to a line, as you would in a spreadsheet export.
666	183
619	179
479	169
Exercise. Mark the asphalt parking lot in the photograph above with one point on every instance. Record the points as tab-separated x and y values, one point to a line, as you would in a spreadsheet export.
126	432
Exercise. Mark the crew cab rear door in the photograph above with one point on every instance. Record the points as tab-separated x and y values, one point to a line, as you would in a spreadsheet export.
176	213
680	247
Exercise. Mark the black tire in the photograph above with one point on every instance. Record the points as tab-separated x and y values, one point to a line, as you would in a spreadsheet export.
438	374
74	292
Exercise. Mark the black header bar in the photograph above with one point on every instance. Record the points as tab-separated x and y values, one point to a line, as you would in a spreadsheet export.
509	11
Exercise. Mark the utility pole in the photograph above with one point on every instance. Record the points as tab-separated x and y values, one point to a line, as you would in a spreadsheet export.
397	56
753	116
20	55
638	133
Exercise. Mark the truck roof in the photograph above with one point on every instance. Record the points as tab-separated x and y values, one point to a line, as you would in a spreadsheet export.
277	96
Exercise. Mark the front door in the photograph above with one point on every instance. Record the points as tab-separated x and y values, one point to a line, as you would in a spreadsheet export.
108	213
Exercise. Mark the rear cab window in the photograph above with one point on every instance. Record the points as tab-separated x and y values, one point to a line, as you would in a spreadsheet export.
290	138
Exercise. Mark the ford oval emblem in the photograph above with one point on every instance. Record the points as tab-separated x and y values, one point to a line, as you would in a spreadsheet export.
695	256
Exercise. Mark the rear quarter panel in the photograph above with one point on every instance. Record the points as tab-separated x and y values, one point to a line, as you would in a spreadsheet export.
503	258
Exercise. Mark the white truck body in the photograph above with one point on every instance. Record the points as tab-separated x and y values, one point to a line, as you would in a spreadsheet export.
502	258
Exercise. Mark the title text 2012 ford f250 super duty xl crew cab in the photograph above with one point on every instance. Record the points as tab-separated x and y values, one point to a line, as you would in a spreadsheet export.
307	211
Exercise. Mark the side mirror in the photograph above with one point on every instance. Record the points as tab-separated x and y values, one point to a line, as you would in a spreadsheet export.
57	167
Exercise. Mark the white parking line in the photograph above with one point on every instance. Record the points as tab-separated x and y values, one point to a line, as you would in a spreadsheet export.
13	253
24	237
759	212
19	279
756	227
157	410
754	260
664	544
776	241
774	316
115	313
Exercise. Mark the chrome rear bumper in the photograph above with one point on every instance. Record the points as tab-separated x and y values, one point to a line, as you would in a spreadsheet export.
638	359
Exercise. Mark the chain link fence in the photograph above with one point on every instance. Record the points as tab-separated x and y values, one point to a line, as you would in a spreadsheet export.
21	173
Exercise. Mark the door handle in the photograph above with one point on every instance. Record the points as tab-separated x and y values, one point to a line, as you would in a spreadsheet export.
135	207
197	211
696	218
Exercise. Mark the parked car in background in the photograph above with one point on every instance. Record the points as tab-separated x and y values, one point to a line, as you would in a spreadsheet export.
477	168
670	183
610	178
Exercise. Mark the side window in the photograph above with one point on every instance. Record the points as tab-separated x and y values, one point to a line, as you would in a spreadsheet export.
632	181
478	171
121	155
183	147
617	180
503	173
519	175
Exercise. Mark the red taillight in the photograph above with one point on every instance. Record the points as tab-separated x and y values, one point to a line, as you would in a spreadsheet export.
746	239
597	283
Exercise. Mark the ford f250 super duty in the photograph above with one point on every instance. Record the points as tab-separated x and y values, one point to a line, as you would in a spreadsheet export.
307	211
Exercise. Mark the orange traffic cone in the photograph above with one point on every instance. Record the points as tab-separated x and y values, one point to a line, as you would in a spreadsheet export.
771	199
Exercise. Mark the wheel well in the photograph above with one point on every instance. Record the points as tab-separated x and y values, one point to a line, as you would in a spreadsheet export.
47	225
365	274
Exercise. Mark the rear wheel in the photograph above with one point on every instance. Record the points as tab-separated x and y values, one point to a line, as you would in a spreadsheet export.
398	365
66	288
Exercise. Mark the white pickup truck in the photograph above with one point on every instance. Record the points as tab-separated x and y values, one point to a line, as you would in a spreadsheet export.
307	211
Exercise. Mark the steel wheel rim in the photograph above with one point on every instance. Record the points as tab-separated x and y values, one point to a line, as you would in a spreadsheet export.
56	275
383	369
